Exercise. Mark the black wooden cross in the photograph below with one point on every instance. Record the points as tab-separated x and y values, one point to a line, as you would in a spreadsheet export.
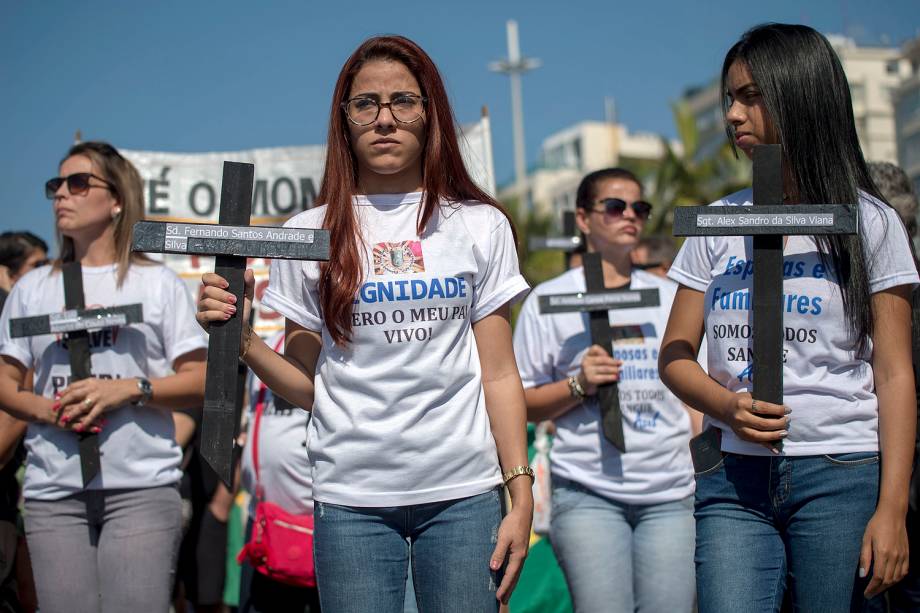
767	222
597	300
568	243
75	323
232	240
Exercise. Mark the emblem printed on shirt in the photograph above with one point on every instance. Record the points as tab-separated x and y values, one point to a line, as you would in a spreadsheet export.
398	258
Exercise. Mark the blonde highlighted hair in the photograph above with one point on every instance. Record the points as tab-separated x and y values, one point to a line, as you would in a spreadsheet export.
128	189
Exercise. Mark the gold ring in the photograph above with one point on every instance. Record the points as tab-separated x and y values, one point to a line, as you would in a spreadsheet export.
753	406
87	403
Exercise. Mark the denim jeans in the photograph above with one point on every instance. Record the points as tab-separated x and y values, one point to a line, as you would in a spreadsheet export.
620	558
362	555
761	520
107	551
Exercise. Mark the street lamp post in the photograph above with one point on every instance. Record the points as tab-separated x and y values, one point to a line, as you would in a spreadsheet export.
514	67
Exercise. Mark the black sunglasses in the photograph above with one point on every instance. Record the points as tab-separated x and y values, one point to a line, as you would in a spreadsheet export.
615	207
77	184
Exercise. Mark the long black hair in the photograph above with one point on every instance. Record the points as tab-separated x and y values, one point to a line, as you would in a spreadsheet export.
807	96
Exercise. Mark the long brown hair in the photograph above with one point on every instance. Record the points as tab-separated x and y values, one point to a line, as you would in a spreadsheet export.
444	175
128	189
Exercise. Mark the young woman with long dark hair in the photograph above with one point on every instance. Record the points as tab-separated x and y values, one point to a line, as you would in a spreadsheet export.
401	345
620	521
826	509
109	546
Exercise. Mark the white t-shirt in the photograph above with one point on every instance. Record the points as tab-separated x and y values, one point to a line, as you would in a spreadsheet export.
283	463
828	387
137	446
656	467
399	415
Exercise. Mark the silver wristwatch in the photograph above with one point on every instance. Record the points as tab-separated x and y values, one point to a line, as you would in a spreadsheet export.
146	390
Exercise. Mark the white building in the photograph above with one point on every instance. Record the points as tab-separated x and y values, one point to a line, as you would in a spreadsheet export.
907	114
874	74
568	155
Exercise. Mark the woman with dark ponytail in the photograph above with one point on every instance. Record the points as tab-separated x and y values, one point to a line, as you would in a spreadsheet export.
401	347
821	515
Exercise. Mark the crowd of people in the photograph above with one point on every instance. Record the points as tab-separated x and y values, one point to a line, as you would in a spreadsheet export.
389	471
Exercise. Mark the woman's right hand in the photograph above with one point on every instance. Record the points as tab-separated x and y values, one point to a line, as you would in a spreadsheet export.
217	304
598	368
757	421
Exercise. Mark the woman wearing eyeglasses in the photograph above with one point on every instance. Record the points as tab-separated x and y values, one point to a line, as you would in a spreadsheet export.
821	517
621	523
110	545
401	346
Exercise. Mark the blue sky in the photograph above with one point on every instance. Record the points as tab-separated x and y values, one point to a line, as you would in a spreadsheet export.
203	76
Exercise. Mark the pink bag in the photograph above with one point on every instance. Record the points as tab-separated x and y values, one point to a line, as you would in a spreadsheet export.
281	544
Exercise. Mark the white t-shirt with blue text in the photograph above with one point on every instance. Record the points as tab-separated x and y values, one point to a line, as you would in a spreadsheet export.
137	445
829	388
656	467
399	415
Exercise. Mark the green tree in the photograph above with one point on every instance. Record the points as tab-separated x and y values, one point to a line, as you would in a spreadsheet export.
686	178
536	266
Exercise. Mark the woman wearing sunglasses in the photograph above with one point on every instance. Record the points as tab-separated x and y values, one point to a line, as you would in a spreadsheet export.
822	515
621	523
110	545
401	347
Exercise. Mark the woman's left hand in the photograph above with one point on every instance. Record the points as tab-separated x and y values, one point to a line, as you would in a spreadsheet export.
82	404
513	542
885	549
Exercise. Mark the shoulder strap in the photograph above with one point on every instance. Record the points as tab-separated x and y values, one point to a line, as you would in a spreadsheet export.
259	409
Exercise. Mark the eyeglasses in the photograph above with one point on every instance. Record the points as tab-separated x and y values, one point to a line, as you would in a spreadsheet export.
406	108
615	207
77	184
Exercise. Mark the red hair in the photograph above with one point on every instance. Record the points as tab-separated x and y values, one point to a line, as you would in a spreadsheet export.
444	175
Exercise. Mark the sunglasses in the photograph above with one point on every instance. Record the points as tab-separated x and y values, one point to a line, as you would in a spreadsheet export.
615	207
77	184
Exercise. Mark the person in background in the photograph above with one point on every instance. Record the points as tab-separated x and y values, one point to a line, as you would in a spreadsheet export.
654	254
619	521
284	471
109	545
201	567
904	597
20	252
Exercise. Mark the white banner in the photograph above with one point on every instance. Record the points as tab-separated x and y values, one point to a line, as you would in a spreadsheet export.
185	187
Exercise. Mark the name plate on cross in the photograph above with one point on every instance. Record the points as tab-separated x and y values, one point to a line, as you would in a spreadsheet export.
767	221
783	219
240	241
72	320
603	300
231	240
569	241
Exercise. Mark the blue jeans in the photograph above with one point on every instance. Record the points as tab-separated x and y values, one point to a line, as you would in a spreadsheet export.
760	520
362	555
622	558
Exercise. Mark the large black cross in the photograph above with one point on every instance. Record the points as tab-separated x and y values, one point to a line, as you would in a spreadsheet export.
232	240
767	222
74	323
597	300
